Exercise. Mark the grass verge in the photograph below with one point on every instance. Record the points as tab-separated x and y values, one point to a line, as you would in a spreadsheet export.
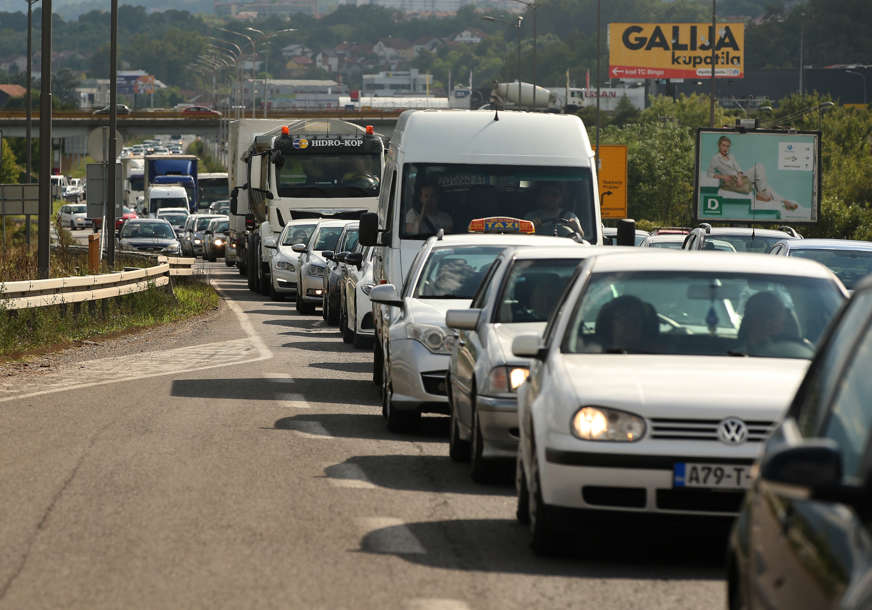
46	329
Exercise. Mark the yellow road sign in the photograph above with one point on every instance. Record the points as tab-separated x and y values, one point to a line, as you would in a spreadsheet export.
612	177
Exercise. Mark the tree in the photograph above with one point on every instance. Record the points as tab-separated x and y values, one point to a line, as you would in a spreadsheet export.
9	168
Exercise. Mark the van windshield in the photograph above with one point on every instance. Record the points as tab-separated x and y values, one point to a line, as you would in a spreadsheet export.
448	196
330	175
158	203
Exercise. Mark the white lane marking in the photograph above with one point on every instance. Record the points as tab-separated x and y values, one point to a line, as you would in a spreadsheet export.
390	535
348	476
421	603
116	369
312	429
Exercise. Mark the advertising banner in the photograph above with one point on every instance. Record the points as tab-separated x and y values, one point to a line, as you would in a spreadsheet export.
612	178
675	50
757	176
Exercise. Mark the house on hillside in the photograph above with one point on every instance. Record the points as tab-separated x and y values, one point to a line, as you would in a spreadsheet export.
10	92
295	50
327	61
471	36
427	43
394	50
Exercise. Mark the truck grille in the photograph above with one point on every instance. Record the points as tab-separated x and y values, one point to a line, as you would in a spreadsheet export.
704	429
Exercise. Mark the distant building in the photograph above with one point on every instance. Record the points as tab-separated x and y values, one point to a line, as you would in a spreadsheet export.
432	7
288	94
469	37
397	83
9	92
264	8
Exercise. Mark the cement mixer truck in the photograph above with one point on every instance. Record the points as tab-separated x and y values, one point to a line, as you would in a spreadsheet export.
507	95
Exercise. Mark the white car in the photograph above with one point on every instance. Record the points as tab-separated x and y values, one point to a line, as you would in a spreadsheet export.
283	264
313	266
657	380
355	308
445	275
74	216
483	375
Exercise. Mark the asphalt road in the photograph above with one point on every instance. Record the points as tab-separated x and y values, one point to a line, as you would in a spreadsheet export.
249	467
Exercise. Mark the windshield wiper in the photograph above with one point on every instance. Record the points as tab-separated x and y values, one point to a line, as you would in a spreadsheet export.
624	350
737	353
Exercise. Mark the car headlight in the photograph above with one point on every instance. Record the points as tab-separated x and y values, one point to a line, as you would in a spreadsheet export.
317	270
197	242
219	242
431	337
604	424
366	288
285	266
506	379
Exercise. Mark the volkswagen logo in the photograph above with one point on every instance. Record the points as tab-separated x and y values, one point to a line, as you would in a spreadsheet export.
732	431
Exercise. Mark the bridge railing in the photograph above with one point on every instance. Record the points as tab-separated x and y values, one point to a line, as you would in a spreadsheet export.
60	291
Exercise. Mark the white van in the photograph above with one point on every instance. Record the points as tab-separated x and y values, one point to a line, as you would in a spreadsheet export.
166	197
480	163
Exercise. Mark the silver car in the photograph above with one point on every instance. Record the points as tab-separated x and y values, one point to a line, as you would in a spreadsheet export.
850	260
313	266
445	275
483	375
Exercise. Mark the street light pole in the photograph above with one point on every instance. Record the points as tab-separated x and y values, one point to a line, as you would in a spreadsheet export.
109	224
712	38
598	28
45	144
863	76
520	21
28	140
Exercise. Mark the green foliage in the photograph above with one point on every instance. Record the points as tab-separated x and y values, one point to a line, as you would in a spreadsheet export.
208	163
57	326
9	168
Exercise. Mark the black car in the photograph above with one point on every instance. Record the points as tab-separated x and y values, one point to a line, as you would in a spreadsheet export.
804	536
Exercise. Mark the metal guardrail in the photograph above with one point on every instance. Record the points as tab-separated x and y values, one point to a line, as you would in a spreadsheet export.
41	293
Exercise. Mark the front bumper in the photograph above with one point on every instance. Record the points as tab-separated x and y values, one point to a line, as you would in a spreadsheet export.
284	282
499	426
417	377
313	289
633	480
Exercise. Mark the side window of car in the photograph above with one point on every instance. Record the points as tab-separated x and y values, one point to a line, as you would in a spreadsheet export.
815	394
480	298
850	418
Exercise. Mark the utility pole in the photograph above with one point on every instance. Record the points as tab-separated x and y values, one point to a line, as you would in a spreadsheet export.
598	28
45	144
109	224
28	139
712	39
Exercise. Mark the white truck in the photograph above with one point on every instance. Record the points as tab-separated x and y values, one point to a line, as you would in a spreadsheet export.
308	168
133	169
242	134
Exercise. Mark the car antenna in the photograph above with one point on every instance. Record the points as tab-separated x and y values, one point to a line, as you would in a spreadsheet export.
440	234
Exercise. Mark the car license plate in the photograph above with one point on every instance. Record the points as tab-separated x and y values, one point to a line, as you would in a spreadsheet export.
711	476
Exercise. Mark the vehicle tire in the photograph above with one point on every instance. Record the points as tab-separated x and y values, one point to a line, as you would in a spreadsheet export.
347	333
377	363
332	315
522	512
480	469
264	280
359	340
737	598
398	421
252	265
275	296
324	307
458	449
542	536
303	308
242	262
228	262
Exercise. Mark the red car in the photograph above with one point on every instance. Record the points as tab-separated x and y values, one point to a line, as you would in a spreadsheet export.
128	213
201	111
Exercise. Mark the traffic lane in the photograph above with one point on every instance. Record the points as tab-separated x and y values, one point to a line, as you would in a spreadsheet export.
201	500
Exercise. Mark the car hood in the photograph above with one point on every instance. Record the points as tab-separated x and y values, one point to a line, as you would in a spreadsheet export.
147	241
684	386
504	334
432	311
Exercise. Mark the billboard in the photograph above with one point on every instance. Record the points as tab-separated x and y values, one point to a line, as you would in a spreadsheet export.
612	178
675	50
757	176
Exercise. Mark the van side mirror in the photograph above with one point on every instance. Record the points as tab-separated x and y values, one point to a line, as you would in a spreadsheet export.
234	201
627	232
368	229
354	258
299	248
328	255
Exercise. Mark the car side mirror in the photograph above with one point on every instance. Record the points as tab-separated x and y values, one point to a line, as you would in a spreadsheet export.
626	232
528	346
328	255
299	248
354	258
462	319
386	294
804	470
339	257
209	233
368	229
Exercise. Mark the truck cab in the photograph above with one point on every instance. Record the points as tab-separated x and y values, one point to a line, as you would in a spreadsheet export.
308	168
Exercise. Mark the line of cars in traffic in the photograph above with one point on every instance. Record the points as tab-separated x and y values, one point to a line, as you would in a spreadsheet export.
623	381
